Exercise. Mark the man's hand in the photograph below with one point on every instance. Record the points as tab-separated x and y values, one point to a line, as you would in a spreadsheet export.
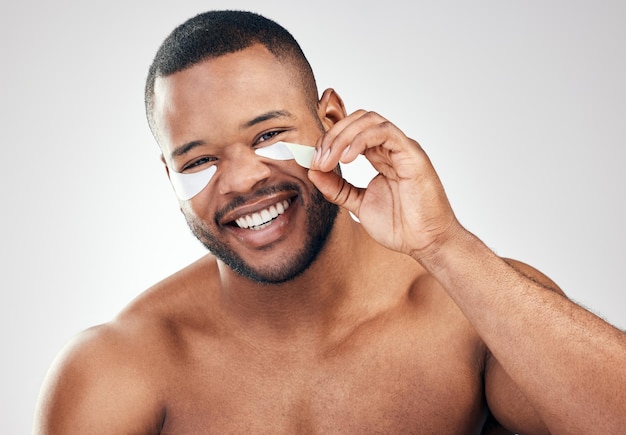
404	207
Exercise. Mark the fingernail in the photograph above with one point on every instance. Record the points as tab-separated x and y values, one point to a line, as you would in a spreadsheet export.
325	156
345	152
316	156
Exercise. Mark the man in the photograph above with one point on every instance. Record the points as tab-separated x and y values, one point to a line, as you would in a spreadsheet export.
301	320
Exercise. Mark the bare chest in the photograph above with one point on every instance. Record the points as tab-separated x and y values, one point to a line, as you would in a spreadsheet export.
396	385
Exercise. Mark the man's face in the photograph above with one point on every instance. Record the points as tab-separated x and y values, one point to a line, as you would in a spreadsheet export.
261	217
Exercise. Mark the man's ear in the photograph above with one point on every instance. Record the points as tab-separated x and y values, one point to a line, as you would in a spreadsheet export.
330	108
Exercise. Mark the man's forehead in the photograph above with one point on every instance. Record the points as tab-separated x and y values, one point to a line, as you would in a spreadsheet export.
251	75
244	66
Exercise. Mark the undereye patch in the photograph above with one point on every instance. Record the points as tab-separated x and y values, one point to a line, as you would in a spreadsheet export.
302	154
186	186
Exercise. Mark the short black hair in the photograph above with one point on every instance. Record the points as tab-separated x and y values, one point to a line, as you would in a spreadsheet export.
215	33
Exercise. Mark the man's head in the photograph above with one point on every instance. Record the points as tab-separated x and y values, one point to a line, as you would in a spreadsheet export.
222	85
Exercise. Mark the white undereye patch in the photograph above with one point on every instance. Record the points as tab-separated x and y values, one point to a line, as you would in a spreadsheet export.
186	186
286	151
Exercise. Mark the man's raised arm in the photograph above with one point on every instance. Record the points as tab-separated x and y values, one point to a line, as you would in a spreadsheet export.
568	363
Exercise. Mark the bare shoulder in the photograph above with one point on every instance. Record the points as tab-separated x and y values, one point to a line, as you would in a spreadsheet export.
96	376
111	378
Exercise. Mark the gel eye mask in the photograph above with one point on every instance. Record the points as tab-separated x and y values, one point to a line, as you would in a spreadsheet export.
186	186
286	151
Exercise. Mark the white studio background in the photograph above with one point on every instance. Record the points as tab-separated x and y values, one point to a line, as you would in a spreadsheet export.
520	104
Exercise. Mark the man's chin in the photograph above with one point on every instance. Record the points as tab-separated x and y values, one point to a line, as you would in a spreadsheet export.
272	274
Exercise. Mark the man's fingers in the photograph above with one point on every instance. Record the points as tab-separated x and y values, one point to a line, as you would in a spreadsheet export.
337	190
356	134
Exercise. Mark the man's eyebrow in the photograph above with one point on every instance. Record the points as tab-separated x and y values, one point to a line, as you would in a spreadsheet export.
274	114
185	148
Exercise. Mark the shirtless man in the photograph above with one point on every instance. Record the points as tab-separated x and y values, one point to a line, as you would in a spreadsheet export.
302	320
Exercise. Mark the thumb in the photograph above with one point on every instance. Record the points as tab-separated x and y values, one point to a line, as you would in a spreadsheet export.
337	190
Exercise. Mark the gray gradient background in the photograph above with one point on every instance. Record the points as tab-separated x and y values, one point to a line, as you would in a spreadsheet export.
520	104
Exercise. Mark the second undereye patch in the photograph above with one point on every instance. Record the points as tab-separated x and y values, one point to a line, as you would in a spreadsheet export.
302	154
186	186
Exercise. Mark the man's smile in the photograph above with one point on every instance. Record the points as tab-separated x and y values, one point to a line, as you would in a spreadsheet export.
263	218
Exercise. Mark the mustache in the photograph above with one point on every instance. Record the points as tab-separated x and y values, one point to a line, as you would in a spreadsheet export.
238	201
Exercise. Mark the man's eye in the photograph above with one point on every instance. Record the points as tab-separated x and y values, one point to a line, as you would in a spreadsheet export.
269	135
198	163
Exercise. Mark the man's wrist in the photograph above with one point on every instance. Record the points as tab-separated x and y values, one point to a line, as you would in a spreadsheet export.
450	247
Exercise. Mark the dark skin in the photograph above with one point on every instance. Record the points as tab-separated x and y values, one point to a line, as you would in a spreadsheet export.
405	323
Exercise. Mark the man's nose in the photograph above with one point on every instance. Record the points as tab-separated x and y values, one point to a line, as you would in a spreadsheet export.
242	171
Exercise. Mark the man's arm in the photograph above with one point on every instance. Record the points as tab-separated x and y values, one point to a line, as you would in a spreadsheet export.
504	397
96	387
569	364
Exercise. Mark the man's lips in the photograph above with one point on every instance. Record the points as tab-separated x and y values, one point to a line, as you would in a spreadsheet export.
262	218
257	210
262	223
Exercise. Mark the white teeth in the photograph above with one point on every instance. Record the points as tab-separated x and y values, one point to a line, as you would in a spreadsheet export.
266	216
258	220
273	212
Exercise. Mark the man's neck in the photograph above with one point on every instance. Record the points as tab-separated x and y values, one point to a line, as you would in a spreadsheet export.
353	278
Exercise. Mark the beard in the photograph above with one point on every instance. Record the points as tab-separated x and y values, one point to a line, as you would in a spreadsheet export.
320	216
